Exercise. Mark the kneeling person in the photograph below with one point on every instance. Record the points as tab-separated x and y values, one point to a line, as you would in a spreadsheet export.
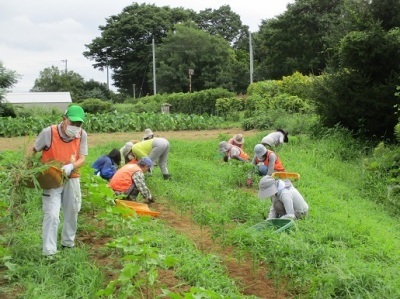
286	200
129	180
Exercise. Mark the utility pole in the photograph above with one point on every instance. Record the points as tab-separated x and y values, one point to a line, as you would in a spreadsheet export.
108	81
66	68
191	72
251	58
154	67
134	92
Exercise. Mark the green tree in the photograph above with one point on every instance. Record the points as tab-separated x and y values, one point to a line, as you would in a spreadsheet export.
387	12
294	41
125	44
52	79
7	80
187	48
97	90
360	95
225	23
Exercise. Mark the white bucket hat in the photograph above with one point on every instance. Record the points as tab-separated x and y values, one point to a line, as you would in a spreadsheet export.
259	151
127	148
267	187
224	146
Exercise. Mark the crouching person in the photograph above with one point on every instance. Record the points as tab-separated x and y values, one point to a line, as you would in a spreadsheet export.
286	200
129	180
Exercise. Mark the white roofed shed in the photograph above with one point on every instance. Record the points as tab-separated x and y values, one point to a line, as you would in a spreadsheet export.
59	100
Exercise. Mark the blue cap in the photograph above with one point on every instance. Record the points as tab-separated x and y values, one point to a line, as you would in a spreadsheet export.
146	161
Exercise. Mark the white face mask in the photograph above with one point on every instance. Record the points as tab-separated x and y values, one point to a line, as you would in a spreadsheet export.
130	157
72	131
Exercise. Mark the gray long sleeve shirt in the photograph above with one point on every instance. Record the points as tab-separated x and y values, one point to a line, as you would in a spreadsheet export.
292	201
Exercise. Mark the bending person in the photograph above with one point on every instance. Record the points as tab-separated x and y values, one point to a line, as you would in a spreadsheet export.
266	161
286	200
130	180
106	166
157	149
273	139
232	152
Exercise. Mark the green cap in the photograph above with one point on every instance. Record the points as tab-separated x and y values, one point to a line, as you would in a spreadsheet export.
75	113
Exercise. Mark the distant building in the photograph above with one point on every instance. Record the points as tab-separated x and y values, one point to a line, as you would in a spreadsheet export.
59	100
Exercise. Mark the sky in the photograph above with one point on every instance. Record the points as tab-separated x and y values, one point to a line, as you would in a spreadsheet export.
37	34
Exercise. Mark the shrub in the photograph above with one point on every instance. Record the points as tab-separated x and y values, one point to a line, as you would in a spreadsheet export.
296	85
268	88
229	107
290	103
95	106
7	109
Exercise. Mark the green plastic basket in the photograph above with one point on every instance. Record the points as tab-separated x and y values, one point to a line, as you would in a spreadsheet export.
277	225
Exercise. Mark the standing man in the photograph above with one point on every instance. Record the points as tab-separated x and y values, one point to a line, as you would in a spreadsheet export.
65	143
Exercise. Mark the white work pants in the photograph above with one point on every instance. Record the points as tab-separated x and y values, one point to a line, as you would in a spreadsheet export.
160	152
69	198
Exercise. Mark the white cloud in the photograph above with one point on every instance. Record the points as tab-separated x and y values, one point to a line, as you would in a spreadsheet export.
41	33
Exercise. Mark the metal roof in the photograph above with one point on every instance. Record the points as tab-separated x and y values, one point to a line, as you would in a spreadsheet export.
37	97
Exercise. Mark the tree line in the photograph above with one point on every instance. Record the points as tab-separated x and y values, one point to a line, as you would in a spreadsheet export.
350	45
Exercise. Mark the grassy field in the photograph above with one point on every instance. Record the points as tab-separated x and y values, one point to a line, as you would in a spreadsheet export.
348	247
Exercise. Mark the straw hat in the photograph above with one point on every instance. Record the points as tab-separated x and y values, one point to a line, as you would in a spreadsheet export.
238	138
148	133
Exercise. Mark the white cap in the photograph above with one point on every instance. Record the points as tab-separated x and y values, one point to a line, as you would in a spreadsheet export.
259	150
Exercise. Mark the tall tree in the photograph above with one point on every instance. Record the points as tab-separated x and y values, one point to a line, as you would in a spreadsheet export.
225	23
209	56
7	80
359	90
387	12
125	44
52	79
294	41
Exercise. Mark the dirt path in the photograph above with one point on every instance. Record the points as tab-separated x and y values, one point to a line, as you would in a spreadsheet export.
252	281
94	139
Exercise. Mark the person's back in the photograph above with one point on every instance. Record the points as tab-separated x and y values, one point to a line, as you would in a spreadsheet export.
142	148
276	138
106	165
292	200
122	179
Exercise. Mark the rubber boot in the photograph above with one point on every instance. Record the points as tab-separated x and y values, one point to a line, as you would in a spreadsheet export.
166	176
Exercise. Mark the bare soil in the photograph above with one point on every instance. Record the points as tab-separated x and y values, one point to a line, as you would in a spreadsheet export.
94	139
252	280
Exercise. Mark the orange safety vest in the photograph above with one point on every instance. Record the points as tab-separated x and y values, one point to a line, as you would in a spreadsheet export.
242	154
122	179
278	164
61	151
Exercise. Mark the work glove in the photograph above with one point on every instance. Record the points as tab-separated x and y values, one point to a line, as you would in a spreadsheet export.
149	200
249	182
68	169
